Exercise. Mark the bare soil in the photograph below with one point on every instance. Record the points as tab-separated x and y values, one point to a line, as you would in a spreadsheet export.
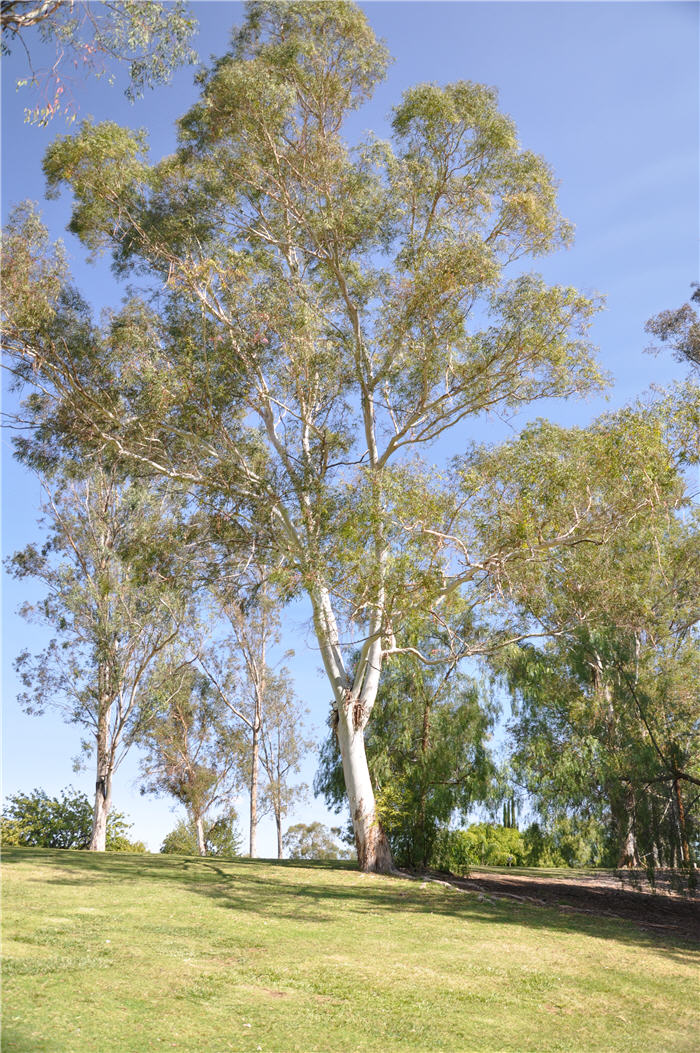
663	909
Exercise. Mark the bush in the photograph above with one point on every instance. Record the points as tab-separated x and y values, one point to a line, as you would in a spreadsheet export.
39	821
481	844
221	838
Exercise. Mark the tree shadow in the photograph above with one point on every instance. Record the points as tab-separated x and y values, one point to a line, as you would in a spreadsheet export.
265	888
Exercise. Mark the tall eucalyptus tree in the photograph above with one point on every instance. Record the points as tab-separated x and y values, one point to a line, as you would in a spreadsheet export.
325	312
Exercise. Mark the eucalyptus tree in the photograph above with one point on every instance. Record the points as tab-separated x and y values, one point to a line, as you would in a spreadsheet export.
115	612
258	696
192	752
151	39
283	745
325	312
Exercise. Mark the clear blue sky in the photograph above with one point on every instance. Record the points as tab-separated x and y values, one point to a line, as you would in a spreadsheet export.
608	92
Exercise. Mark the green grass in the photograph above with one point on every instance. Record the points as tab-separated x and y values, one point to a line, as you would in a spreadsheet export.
122	954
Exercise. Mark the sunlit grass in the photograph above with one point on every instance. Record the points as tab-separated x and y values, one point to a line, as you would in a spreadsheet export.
127	953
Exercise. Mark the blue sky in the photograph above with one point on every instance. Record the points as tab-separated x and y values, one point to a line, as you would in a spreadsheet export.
608	92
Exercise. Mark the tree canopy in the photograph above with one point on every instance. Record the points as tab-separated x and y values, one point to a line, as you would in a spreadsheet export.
312	316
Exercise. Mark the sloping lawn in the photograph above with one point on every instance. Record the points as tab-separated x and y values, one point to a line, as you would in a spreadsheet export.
123	953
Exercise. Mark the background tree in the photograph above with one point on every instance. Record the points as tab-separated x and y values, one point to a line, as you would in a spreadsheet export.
256	695
283	747
315	841
680	329
606	723
192	752
39	821
114	615
151	39
326	313
221	837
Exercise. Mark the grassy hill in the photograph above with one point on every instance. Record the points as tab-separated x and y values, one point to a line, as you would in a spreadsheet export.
119	954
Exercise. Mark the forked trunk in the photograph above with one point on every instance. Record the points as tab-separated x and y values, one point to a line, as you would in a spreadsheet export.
373	852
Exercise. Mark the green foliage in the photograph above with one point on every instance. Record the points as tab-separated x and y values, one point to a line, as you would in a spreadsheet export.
680	329
40	821
481	844
221	837
326	311
426	750
315	841
192	752
567	842
510	813
151	40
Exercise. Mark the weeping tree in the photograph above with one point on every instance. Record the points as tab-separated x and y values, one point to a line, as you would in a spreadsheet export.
113	608
606	712
325	311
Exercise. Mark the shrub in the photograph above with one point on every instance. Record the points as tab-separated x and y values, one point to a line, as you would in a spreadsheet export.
481	844
39	821
221	837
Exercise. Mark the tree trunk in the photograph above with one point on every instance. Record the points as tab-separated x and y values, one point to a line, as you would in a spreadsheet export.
254	775
201	843
103	803
682	829
373	852
278	821
351	713
103	787
629	856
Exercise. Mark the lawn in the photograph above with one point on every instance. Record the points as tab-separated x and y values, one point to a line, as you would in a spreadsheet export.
119	954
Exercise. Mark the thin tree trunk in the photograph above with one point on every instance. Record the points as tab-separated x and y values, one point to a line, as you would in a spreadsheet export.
254	776
278	821
682	829
103	785
424	747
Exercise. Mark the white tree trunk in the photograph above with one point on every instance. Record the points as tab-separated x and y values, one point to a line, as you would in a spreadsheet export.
103	803
199	827
373	852
254	778
629	856
103	785
352	709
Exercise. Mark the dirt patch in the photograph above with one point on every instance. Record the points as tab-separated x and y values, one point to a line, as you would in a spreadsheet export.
663	909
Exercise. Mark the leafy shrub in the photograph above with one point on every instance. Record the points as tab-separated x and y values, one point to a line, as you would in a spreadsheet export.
481	844
39	821
221	837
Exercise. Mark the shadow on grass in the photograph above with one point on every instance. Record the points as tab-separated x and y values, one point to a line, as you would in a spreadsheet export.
265	888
